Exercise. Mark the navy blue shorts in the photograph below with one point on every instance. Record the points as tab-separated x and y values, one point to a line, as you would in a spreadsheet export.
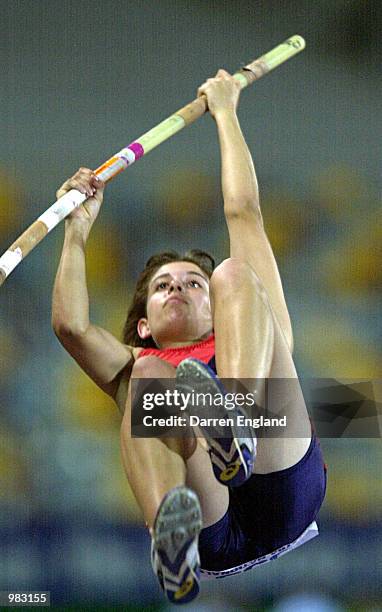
266	513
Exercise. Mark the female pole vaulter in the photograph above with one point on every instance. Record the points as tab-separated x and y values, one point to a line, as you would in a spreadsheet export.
219	512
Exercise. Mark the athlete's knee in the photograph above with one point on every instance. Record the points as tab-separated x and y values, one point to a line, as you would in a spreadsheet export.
150	366
232	275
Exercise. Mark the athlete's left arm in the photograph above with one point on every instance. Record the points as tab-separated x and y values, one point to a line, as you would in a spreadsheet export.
248	240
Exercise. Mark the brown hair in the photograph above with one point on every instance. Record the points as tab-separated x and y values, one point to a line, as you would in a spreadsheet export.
137	308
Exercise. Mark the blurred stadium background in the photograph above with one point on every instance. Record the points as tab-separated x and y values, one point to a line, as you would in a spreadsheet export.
79	81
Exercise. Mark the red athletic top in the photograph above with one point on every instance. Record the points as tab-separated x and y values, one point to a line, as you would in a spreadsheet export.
204	351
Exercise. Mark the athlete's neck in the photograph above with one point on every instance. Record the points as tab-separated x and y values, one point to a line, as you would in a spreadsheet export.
173	344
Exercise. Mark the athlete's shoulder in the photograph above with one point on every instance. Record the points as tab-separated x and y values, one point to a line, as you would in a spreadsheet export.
136	351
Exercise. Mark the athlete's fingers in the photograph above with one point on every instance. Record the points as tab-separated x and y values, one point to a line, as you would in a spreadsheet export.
90	179
96	182
78	183
223	73
84	180
202	90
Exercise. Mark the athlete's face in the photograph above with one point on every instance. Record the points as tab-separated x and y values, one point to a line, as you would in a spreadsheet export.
178	304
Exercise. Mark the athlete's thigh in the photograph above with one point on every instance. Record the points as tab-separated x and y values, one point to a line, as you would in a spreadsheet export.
283	447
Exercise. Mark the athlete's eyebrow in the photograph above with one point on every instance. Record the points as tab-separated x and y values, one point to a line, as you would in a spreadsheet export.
167	274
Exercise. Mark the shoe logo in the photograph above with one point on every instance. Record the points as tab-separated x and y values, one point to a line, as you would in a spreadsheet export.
230	471
184	589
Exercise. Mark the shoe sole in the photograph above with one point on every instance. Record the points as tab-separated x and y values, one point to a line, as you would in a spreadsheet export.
176	530
232	457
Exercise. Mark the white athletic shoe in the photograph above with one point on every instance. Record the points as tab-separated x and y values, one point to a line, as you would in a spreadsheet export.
233	452
174	550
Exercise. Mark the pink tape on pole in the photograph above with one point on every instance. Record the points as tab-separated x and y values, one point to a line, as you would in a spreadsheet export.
137	149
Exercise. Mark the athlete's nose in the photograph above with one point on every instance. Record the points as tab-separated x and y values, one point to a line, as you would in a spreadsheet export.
176	285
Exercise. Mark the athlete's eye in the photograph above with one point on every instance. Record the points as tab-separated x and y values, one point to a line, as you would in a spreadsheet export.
161	285
194	283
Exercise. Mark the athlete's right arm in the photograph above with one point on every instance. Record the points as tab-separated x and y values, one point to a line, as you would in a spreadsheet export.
97	351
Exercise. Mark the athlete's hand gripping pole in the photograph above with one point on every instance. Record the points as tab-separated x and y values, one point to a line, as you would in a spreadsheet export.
127	156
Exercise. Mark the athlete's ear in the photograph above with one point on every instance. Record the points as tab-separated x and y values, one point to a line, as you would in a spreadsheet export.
143	329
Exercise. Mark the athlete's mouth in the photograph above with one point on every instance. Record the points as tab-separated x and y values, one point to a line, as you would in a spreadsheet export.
175	298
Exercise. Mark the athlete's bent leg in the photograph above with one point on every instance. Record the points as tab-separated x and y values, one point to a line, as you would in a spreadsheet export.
153	466
249	345
243	325
157	470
